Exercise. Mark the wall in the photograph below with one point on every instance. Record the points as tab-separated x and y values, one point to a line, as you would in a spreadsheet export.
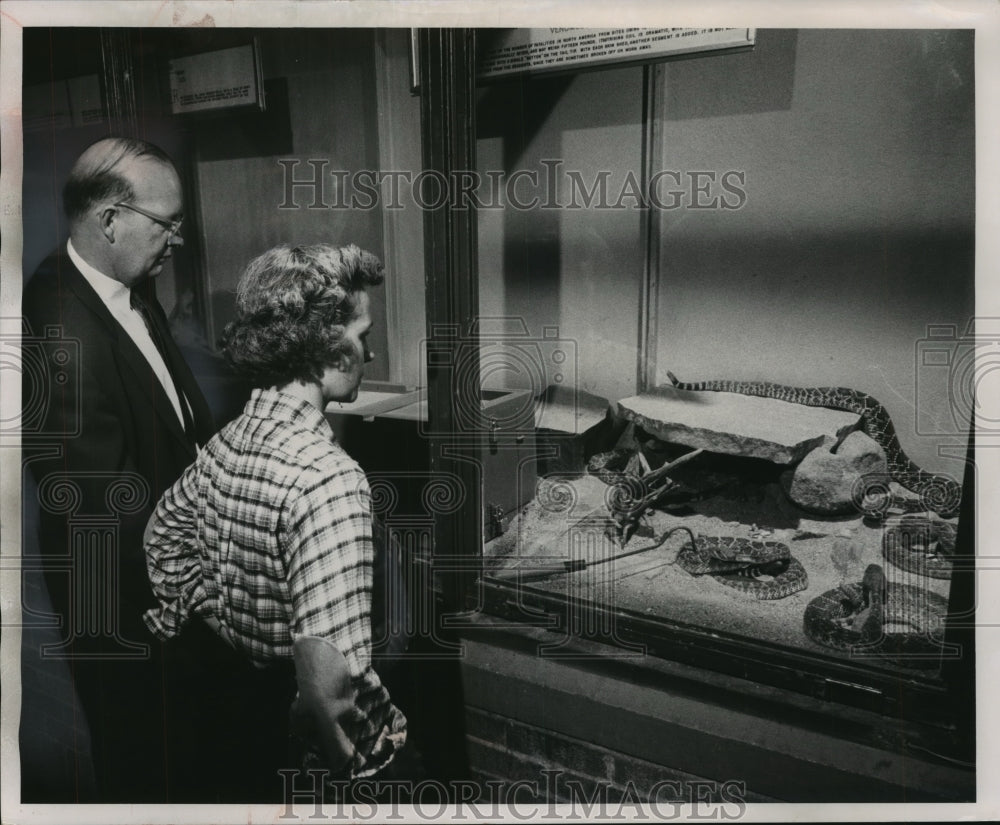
857	231
322	89
53	141
400	148
579	268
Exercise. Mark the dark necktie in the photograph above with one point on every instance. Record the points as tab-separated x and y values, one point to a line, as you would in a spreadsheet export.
159	333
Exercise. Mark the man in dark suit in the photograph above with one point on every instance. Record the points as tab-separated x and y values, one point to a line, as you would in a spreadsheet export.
115	418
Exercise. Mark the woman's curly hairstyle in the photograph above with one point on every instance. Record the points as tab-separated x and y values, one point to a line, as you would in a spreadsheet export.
291	307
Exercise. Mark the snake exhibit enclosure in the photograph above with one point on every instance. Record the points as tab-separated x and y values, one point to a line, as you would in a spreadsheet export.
669	430
751	410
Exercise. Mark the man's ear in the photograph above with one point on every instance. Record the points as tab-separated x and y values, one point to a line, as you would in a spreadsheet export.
106	218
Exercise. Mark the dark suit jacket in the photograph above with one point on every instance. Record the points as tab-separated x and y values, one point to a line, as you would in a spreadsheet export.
95	415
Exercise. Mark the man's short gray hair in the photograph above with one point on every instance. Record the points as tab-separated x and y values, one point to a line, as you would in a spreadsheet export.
96	176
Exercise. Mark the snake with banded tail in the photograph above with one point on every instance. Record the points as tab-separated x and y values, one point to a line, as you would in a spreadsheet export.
759	569
921	545
939	493
874	617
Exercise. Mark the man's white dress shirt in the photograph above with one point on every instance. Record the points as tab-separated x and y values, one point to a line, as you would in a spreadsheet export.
117	298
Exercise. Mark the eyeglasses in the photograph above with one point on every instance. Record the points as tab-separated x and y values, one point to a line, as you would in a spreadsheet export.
173	227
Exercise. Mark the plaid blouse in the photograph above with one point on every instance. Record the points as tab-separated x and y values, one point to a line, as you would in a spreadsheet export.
269	533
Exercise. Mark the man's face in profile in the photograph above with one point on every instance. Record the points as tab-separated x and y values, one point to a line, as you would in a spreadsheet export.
143	243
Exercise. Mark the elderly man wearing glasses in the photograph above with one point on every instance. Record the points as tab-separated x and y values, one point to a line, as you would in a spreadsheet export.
116	416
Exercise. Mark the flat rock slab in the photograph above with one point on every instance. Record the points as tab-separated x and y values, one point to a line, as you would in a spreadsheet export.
734	424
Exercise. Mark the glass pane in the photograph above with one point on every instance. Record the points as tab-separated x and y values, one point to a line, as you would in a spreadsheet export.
810	224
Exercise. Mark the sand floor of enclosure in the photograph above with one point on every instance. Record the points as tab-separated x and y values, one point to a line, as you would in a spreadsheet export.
564	520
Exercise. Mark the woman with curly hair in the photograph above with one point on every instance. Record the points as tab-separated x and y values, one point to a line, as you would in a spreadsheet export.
267	538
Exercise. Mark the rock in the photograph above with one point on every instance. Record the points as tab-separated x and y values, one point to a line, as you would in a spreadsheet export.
735	424
627	440
823	482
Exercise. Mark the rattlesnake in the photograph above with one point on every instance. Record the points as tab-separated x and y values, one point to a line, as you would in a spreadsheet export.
863	619
939	493
740	563
920	545
761	569
611	466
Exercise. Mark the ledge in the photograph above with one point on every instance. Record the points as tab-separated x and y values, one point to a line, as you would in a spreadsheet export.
734	424
784	746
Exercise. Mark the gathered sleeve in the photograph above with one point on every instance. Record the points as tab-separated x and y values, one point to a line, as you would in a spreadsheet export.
172	559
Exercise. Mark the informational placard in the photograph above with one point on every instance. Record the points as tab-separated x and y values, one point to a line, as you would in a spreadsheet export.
216	80
511	51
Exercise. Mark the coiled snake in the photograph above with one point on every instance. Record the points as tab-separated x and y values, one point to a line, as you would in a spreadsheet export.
756	568
937	492
611	466
921	545
864	619
760	569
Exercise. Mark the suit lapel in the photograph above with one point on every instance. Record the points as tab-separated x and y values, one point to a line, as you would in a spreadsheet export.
128	355
184	378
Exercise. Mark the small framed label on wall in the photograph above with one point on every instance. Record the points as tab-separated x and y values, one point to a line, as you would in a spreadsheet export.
223	79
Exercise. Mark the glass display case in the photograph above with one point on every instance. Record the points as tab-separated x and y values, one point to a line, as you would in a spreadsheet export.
694	279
